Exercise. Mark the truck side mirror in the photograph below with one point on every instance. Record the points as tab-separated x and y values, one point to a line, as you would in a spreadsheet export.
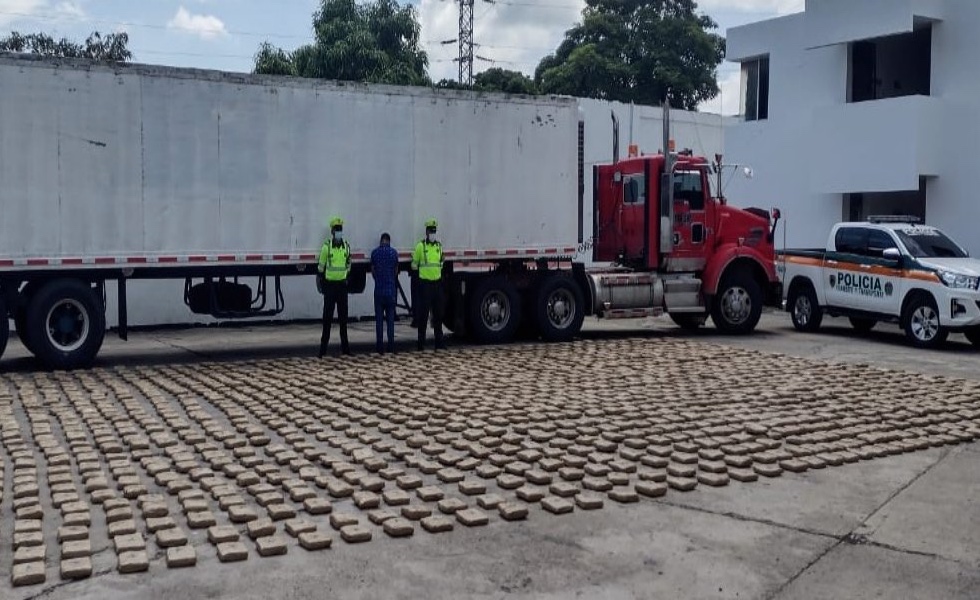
892	254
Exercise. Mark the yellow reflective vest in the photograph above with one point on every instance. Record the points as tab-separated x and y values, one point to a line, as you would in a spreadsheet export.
334	261
427	260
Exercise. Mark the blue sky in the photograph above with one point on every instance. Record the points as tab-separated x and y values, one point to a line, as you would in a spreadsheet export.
224	34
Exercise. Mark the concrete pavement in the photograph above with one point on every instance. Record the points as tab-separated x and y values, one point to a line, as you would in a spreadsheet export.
904	526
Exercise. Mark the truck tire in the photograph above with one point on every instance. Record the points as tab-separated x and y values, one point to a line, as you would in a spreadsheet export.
65	324
687	322
560	308
804	310
862	325
737	306
973	335
4	326
495	311
921	322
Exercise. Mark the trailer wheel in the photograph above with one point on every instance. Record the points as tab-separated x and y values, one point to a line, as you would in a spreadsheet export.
921	322
560	308
862	325
973	335
687	322
4	326
65	324
737	307
495	311
804	310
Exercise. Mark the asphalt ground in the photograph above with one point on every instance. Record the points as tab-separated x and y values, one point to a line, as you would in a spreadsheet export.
640	461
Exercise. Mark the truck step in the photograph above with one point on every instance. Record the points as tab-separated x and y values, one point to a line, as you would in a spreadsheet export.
632	313
683	295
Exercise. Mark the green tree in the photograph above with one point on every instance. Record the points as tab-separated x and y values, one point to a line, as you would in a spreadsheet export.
494	80
503	80
110	48
376	42
637	50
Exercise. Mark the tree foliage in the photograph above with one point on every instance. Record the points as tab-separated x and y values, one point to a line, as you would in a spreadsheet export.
637	50
376	42
495	80
113	47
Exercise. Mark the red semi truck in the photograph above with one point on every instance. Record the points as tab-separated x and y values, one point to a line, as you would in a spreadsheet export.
147	174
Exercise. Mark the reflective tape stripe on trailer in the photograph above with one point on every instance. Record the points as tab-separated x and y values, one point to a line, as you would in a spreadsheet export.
155	260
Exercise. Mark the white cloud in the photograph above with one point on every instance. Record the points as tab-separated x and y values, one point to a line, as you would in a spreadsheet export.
516	36
728	102
69	9
779	7
207	27
15	10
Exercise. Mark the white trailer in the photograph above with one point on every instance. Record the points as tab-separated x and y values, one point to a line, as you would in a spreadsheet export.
115	173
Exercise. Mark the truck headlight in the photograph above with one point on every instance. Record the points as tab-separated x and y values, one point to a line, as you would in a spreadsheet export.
958	281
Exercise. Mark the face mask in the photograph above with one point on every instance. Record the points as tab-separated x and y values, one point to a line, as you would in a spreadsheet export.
338	236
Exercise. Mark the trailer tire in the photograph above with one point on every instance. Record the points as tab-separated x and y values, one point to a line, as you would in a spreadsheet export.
4	326
921	322
495	311
737	306
687	322
804	310
560	308
65	324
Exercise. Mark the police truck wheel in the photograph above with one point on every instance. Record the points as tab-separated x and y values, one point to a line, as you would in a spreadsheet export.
804	310
495	311
4	326
921	321
65	324
861	325
973	335
737	306
560	309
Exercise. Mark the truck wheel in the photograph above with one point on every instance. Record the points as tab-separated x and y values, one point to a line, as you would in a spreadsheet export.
4	326
65	324
973	335
560	308
921	320
804	310
495	311
862	325
738	305
688	322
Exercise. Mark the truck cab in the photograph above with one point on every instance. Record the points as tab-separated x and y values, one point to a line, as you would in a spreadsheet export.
655	216
888	269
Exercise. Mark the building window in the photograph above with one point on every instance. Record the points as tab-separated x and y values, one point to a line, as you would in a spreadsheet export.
755	89
910	203
891	67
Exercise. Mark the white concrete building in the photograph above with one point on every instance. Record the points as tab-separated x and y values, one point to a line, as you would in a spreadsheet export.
855	108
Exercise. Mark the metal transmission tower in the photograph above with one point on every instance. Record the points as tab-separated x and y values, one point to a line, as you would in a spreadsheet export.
465	42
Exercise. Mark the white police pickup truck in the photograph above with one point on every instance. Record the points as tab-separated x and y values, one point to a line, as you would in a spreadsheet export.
889	269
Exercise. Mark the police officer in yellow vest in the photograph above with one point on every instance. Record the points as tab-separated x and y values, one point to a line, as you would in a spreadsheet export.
334	267
427	262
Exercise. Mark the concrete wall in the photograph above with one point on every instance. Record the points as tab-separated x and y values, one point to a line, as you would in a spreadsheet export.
815	147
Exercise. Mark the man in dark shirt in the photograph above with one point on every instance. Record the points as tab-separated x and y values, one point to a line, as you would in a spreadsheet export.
384	269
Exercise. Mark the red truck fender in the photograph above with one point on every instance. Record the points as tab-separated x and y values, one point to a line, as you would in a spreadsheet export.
730	255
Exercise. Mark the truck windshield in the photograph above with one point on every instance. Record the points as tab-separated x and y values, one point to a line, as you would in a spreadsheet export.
925	242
